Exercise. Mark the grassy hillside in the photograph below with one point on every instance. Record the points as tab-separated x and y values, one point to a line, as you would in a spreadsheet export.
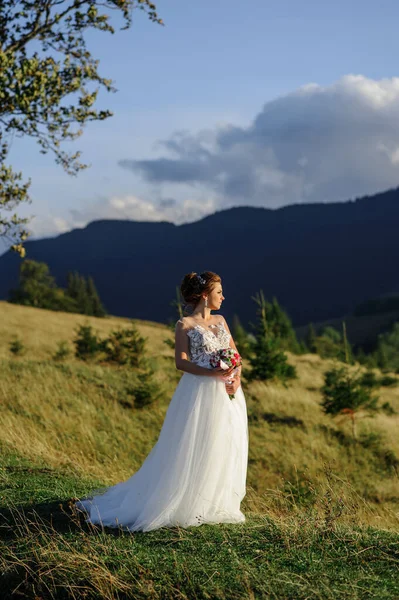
314	496
42	329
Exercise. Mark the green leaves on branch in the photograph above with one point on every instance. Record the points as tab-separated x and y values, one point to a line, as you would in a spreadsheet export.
12	193
49	83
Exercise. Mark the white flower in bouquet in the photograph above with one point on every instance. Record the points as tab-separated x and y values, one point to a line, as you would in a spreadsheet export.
226	358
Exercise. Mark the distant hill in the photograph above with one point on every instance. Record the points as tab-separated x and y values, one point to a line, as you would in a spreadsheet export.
361	330
319	260
363	326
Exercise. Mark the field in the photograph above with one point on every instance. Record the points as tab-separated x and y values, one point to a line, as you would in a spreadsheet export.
322	509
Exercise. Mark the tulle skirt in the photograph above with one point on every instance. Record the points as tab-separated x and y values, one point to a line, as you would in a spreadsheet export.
196	471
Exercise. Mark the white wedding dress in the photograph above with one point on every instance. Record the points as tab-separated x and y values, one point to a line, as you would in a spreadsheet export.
196	471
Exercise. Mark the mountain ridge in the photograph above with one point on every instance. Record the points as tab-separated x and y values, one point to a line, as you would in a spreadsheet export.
320	260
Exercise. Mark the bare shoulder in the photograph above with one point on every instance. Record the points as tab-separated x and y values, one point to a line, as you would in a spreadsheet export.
182	323
179	324
221	319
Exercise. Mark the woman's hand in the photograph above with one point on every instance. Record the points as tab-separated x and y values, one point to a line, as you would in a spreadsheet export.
231	388
219	372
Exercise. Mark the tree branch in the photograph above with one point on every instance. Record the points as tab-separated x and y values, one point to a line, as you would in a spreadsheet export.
46	27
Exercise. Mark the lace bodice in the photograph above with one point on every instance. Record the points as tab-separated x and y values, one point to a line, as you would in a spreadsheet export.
205	342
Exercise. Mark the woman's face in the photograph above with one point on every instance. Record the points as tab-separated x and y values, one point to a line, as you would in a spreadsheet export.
215	297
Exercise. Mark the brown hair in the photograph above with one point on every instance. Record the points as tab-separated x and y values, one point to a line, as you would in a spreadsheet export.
192	288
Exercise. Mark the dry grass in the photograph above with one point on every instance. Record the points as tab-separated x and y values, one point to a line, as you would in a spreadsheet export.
41	329
71	415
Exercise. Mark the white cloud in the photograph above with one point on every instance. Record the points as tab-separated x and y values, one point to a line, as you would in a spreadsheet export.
316	144
125	207
44	226
137	209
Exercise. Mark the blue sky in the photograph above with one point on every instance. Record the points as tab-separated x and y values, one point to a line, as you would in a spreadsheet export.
231	103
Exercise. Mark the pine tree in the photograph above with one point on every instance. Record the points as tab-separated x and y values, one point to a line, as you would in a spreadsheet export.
76	289
347	349
82	297
280	326
85	295
347	393
38	288
241	338
72	284
96	307
311	339
268	360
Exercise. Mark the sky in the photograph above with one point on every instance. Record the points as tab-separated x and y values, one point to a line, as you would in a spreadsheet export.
231	103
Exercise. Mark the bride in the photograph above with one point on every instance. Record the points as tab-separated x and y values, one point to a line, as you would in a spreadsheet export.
196	471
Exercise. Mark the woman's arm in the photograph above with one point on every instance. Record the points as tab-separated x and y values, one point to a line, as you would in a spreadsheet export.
232	343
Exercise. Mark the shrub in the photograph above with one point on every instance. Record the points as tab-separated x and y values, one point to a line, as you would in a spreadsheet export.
368	360
331	343
332	334
172	328
87	344
388	409
387	352
344	393
125	347
369	380
17	347
62	352
374	440
388	381
147	391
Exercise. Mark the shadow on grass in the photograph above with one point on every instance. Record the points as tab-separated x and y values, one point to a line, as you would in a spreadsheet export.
59	514
63	518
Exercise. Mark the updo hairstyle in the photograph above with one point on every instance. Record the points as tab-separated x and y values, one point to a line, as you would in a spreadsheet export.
192	287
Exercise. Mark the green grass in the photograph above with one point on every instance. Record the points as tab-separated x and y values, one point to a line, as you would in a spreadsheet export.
322	509
47	550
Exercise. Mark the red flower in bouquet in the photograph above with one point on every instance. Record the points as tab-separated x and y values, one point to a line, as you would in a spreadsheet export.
226	358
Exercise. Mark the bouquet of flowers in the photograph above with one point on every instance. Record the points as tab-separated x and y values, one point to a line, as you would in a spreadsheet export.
226	358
